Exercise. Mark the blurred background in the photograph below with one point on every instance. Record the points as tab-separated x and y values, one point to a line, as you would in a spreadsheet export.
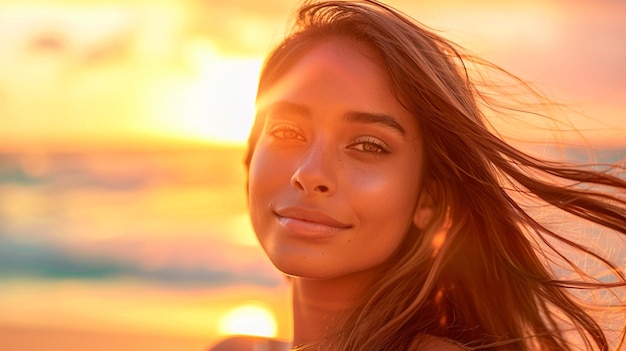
123	218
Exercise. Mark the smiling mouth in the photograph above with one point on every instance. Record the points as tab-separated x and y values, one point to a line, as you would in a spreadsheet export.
309	223
303	228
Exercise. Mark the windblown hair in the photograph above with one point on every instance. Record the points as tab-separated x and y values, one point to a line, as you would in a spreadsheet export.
483	272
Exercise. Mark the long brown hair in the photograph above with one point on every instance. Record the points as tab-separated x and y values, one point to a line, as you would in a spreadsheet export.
482	272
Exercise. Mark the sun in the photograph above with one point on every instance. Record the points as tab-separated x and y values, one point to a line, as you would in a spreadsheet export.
249	319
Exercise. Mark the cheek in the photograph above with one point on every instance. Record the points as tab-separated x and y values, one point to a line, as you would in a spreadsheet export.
268	175
390	189
263	171
385	202
259	180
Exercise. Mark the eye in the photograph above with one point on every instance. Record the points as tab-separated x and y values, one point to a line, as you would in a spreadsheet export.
369	144
285	131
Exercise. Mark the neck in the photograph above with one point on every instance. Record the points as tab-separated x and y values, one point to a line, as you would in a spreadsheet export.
320	306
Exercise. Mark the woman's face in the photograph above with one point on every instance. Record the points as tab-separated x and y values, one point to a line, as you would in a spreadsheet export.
335	177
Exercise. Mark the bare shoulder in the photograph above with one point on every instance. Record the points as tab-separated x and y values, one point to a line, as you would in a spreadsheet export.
250	343
434	343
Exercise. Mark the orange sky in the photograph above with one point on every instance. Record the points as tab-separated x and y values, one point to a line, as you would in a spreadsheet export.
120	74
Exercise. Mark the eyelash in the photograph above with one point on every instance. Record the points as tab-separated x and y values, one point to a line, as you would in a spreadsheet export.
364	141
371	141
285	128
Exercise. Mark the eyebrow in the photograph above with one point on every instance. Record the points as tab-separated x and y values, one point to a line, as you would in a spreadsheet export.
375	118
283	106
350	117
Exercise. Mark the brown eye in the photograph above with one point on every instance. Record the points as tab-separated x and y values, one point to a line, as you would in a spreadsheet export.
369	144
285	132
371	147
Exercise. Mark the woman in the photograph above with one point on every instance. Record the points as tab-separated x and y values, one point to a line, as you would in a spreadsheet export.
378	186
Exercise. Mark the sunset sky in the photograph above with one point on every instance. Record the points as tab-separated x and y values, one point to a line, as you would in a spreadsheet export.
149	233
115	74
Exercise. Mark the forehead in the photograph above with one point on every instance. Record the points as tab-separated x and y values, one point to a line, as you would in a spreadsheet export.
346	59
339	73
338	62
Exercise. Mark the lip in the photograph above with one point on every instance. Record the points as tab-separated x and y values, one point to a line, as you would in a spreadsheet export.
308	222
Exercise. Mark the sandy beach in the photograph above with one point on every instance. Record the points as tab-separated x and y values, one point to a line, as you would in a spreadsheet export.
13	338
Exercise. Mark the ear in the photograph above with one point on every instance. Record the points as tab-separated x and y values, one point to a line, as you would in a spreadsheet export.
425	209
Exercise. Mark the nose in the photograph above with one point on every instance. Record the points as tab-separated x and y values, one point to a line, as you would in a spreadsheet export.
315	172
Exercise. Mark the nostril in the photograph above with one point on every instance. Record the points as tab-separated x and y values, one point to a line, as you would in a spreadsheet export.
321	188
309	185
298	185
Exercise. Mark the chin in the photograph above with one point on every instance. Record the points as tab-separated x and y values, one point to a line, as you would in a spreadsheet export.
303	271
306	269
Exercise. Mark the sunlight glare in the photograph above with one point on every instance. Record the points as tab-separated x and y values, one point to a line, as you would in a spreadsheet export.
249	319
214	103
